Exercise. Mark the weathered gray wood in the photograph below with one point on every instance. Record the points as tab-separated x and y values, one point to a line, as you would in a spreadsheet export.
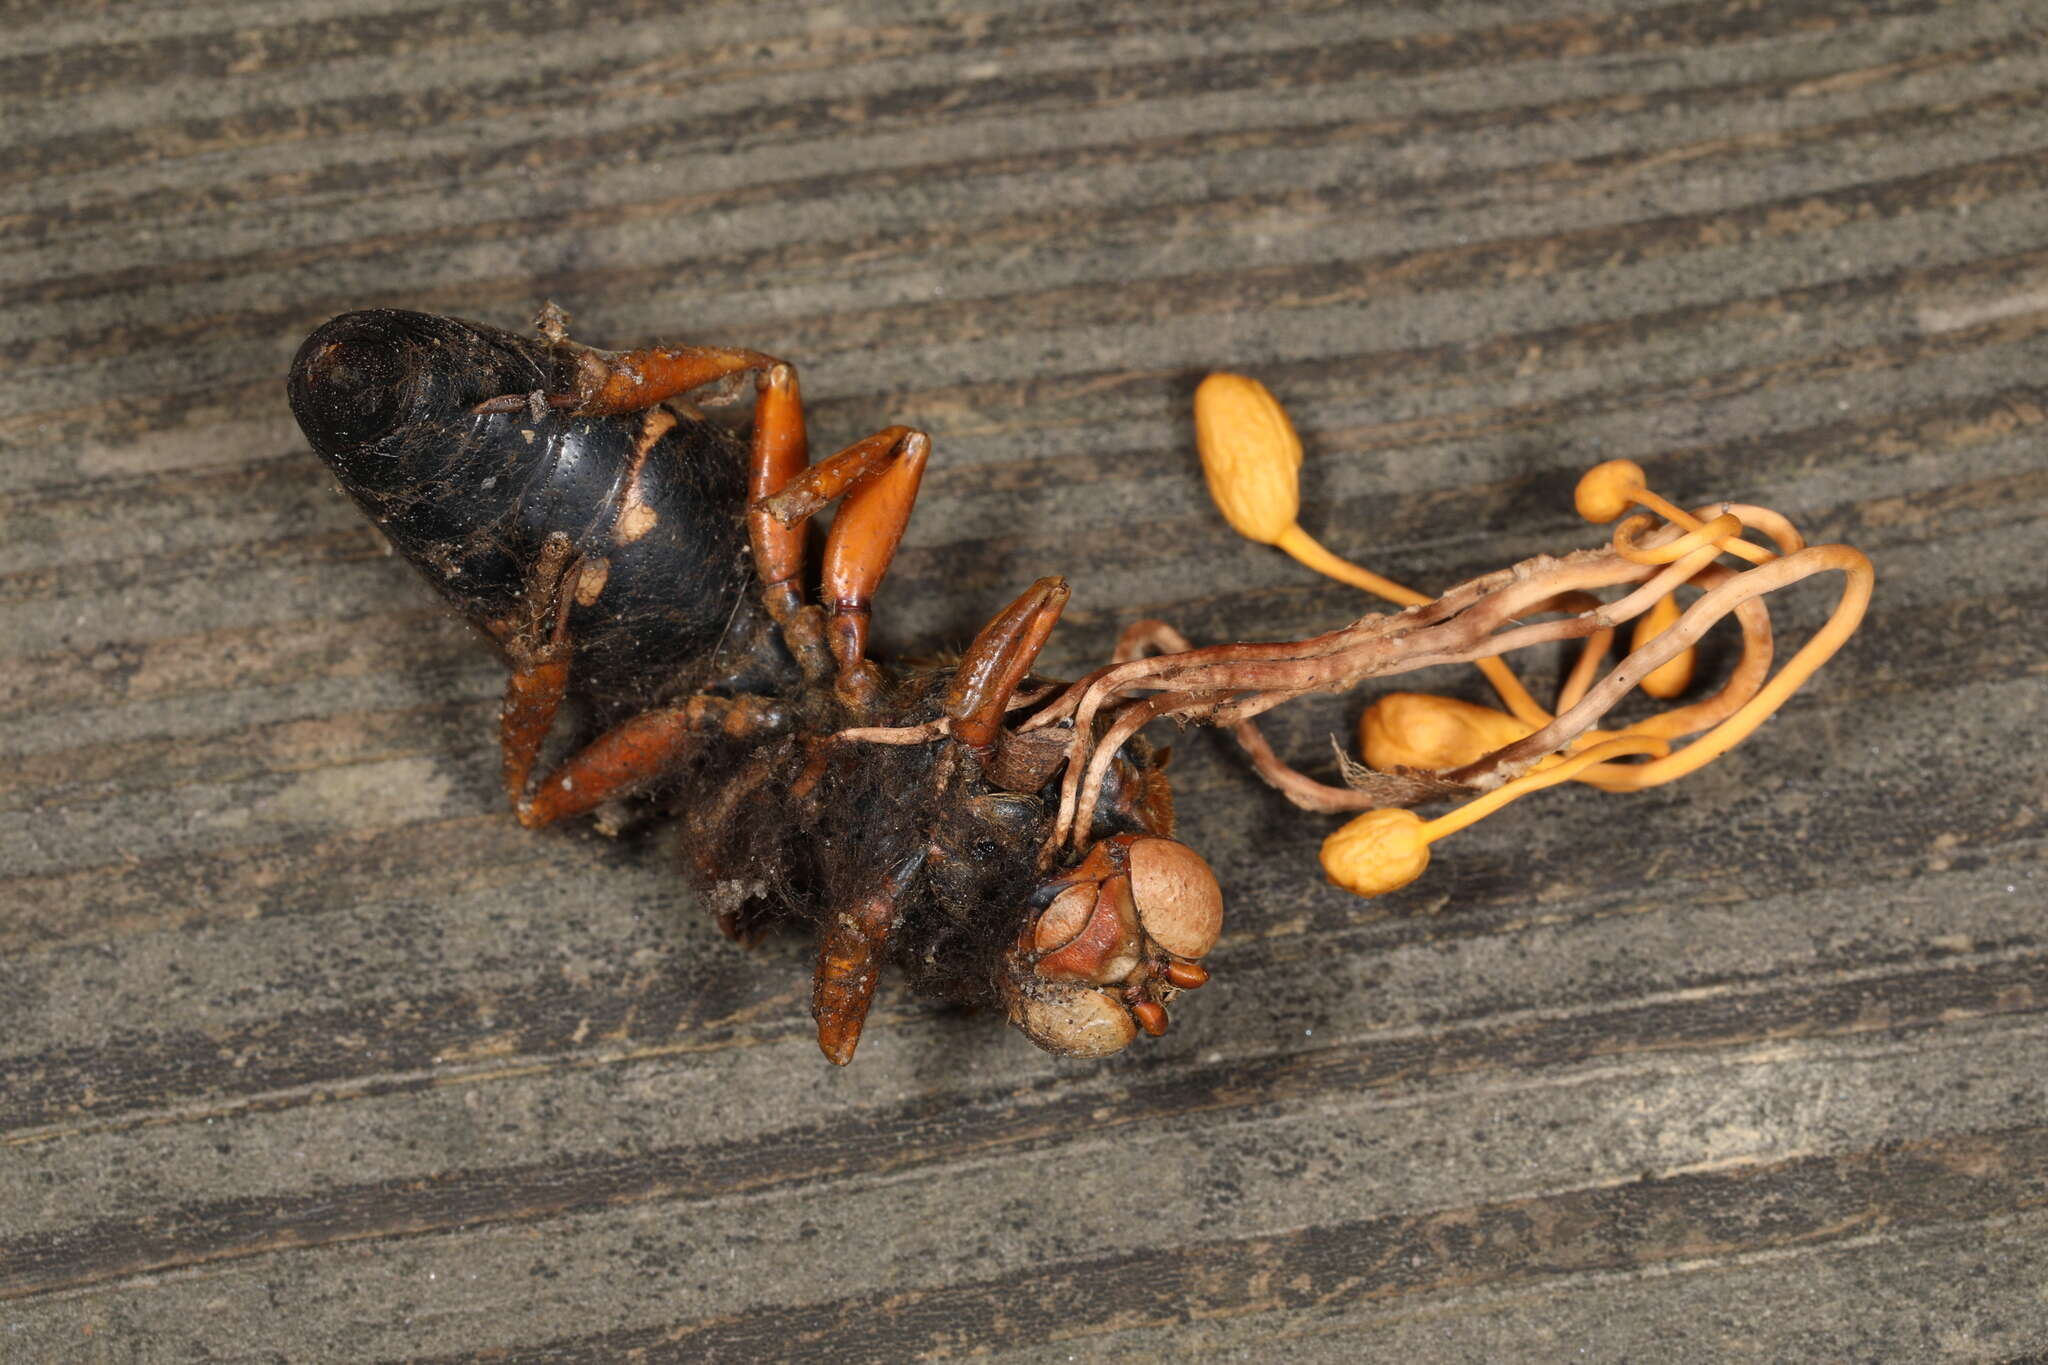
307	1052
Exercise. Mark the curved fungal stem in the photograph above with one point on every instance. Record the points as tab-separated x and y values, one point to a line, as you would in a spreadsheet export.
1776	525
1858	579
1385	849
1744	717
1252	457
1720	533
1607	490
1297	786
1307	551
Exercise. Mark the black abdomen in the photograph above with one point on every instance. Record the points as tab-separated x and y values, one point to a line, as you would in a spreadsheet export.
654	508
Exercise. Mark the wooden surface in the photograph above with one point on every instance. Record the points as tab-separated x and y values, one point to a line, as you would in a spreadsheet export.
306	1052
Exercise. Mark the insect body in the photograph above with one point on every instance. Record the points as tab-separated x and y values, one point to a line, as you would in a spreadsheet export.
616	544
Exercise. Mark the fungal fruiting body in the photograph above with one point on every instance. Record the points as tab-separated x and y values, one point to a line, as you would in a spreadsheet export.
1419	747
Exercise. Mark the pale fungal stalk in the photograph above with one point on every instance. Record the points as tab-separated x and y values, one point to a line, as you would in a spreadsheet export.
1426	748
1252	459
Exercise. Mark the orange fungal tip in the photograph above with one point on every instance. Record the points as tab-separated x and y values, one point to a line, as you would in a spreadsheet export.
1417	730
1607	490
1377	852
1250	456
1674	675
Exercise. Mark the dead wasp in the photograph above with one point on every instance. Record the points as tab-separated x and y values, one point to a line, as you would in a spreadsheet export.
621	546
1001	839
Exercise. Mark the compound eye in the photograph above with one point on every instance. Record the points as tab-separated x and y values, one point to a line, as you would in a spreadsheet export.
1180	903
1090	933
1071	1020
1065	918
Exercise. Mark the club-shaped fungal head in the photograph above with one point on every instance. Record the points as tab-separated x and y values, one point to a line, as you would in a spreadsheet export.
1119	935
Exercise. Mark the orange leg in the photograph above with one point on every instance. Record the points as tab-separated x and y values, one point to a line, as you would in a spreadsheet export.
998	660
878	477
595	383
781	451
598	383
538	645
858	551
779	454
850	962
627	381
630	755
812	490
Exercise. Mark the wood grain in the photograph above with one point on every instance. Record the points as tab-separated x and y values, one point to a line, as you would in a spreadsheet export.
307	1052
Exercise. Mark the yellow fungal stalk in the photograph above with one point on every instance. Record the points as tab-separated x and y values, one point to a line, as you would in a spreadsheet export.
1384	850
